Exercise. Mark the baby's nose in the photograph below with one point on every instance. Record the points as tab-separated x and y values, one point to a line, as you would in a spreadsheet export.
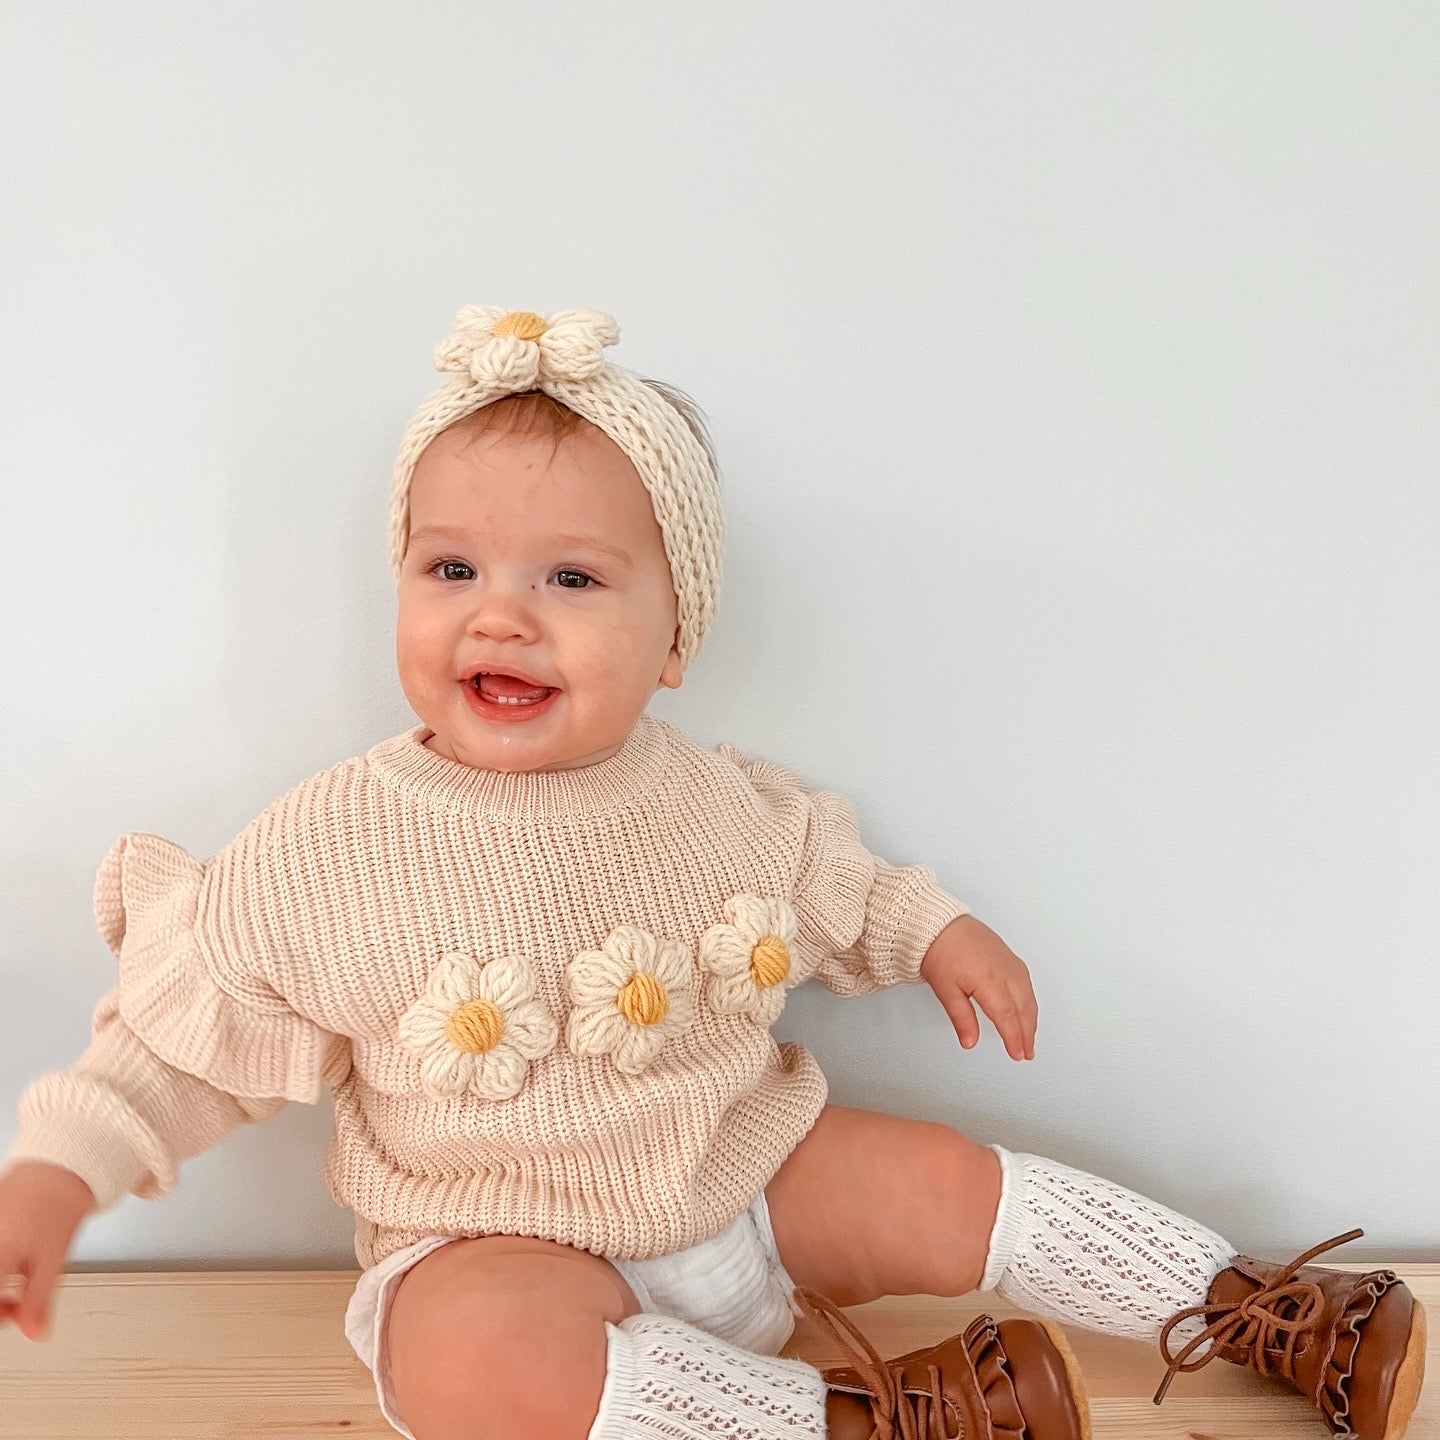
505	611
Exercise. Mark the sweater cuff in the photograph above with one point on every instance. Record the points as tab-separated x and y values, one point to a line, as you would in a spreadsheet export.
84	1148
75	1122
923	911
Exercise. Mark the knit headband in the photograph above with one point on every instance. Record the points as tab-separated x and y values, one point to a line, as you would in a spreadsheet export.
495	352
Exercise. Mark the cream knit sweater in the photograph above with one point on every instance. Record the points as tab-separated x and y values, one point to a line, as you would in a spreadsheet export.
541	1000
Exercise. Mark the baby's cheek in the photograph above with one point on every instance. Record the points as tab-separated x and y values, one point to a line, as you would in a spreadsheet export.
421	661
609	651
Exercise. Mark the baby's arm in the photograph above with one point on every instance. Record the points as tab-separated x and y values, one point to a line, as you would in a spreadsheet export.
900	926
122	1119
193	1042
874	924
878	919
118	1120
870	923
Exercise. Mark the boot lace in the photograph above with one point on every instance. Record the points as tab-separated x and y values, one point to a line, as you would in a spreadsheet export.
898	1415
1272	1323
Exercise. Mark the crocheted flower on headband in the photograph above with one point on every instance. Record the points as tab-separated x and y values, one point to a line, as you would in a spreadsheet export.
630	996
751	960
477	1026
517	349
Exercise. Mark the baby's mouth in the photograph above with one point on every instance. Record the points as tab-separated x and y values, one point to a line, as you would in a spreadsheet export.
508	690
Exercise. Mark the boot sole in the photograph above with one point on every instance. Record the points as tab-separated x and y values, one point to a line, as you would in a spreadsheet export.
1078	1394
1408	1378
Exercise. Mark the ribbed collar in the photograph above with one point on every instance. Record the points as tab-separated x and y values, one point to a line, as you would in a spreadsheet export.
404	763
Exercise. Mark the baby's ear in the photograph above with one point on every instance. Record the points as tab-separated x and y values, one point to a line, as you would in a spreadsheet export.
672	674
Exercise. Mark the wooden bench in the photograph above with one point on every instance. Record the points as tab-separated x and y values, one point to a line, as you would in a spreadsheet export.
220	1355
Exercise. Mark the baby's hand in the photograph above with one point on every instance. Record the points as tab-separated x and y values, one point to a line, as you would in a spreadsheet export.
968	961
41	1207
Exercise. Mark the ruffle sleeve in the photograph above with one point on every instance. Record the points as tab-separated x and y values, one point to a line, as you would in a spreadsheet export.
870	922
200	1008
121	1118
192	1042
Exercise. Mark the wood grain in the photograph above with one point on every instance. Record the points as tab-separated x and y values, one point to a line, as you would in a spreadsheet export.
229	1355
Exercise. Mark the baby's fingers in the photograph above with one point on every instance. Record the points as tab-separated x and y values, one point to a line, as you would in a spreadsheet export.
999	1004
963	1018
26	1300
12	1289
1029	1011
34	1315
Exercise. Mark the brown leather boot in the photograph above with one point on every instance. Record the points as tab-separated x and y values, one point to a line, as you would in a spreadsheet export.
1011	1380
1354	1344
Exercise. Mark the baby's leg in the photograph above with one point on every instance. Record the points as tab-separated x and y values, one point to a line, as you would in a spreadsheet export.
506	1336
503	1335
870	1204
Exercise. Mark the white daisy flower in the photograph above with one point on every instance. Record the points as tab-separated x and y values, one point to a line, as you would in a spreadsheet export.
630	996
751	960
520	350
477	1026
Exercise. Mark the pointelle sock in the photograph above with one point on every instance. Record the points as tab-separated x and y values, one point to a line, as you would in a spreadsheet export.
666	1379
1084	1251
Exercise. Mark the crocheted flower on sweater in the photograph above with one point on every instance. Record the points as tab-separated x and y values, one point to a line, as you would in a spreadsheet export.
513	350
477	1027
751	960
629	997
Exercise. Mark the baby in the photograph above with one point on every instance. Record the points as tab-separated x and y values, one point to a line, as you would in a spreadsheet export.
534	946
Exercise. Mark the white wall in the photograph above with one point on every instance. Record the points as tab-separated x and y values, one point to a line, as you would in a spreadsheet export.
1075	374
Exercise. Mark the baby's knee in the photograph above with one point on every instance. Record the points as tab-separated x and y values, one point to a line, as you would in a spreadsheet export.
492	1352
503	1375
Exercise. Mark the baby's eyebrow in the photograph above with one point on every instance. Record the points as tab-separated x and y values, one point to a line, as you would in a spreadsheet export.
458	532
596	544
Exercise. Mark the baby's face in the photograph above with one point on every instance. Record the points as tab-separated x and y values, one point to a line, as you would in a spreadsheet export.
507	569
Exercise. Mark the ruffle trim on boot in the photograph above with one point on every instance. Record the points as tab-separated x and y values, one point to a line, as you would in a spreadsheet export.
1334	1396
993	1378
907	1394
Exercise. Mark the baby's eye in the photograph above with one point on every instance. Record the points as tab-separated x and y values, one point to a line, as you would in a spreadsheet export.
585	582
445	565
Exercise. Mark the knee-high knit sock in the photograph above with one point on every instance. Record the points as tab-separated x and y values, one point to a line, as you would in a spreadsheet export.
666	1379
1088	1252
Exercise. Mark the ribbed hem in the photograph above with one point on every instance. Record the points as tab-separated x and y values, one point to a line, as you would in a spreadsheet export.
1009	1224
633	771
87	1145
918	909
612	1419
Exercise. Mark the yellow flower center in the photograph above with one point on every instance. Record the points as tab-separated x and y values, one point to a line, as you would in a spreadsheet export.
769	961
642	999
475	1027
524	323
